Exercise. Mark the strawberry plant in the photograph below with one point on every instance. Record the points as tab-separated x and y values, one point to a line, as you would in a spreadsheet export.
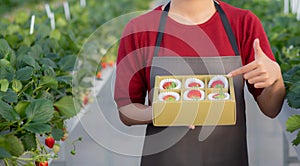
37	93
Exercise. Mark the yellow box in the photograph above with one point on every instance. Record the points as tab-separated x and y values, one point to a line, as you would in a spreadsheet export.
191	112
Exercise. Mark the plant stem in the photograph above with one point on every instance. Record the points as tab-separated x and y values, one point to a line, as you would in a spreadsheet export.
25	87
6	162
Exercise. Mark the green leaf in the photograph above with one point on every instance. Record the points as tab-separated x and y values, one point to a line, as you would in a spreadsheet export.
4	48
67	107
13	145
55	34
67	63
4	153
17	85
8	113
4	85
48	71
29	142
65	79
293	95
24	73
48	81
293	123
38	127
57	134
21	107
6	70
48	62
36	51
40	111
29	60
13	28
296	141
21	17
10	96
43	31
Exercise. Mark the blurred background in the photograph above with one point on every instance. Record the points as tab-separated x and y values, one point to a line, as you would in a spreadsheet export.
90	29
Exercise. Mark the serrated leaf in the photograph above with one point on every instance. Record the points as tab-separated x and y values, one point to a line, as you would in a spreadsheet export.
293	123
38	127
67	63
36	51
67	107
4	48
293	95
43	31
4	85
24	73
14	146
9	96
6	70
17	85
8	113
48	62
4	153
48	71
65	79
48	81
40	111
29	60
296	141
57	134
29	142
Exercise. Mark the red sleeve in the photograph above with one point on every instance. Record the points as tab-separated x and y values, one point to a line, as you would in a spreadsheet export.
130	85
253	29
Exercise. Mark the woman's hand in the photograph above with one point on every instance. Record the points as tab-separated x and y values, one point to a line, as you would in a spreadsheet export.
262	72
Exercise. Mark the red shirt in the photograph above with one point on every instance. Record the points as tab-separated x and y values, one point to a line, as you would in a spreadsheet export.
208	39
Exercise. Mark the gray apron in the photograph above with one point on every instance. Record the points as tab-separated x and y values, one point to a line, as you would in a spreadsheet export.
223	145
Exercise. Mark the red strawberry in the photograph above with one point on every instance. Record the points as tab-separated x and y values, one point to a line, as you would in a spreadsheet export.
103	64
49	141
217	84
194	94
44	163
99	75
111	63
169	98
194	84
85	100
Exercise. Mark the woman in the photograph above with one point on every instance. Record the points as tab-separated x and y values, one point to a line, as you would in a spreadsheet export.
196	28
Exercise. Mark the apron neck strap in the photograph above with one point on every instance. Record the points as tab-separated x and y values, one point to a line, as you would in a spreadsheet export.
224	19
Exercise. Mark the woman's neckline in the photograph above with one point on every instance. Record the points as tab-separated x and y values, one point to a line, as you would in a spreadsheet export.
172	19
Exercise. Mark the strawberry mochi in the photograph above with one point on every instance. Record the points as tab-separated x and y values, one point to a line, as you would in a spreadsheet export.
168	96
193	94
218	82
194	83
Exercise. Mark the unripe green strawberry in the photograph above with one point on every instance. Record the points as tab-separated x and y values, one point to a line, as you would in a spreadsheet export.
56	148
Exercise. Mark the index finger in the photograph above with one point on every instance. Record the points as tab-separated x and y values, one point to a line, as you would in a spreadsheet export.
242	70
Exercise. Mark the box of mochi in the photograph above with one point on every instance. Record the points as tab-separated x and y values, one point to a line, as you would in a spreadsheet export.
201	100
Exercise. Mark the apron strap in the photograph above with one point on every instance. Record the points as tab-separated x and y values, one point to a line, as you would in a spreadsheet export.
227	27
161	28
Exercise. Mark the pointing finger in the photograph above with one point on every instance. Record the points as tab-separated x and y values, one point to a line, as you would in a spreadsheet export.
242	70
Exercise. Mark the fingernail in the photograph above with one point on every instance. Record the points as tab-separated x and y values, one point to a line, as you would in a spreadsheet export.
229	75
